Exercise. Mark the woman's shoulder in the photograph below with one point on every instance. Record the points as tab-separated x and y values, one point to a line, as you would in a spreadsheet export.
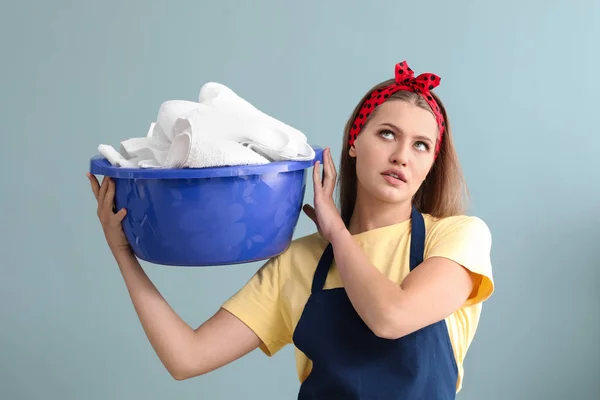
309	244
302	249
298	261
456	224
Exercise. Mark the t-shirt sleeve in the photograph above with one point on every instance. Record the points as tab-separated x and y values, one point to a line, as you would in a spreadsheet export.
468	242
258	304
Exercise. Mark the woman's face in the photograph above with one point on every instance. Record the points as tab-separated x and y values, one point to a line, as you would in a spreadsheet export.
394	152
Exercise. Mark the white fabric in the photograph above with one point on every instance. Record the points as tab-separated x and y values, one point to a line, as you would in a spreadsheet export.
221	129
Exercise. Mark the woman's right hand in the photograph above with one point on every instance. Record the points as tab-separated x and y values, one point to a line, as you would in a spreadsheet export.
111	221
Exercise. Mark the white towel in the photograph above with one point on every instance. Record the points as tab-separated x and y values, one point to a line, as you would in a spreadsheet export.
221	97
221	129
144	152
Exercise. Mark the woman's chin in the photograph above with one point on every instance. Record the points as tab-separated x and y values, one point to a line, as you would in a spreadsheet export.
384	193
392	195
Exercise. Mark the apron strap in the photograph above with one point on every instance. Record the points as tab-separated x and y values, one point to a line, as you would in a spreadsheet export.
322	269
417	239
417	248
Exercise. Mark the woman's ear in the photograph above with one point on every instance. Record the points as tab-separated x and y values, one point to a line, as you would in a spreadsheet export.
352	151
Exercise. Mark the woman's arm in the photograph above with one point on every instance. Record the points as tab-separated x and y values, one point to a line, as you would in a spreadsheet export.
184	352
427	295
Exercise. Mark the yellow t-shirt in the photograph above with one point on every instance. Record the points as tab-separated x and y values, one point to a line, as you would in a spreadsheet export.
272	301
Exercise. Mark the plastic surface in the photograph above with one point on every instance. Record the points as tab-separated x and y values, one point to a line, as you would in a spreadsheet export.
209	216
100	166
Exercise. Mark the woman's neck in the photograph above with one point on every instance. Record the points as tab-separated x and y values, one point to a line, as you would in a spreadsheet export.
372	216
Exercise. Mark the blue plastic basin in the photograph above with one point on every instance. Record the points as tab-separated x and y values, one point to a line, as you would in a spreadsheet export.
209	216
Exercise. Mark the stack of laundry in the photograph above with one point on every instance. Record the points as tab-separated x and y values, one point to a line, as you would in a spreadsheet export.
221	129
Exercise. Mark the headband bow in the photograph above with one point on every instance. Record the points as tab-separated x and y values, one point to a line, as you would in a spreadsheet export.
404	80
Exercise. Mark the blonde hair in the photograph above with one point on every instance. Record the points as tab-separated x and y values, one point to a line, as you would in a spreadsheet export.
443	193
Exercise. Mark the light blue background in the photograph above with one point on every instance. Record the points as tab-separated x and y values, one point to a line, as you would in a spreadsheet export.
521	83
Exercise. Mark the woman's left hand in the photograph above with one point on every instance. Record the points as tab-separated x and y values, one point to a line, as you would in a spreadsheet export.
325	214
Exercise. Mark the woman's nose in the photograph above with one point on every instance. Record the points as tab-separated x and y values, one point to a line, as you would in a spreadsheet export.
400	155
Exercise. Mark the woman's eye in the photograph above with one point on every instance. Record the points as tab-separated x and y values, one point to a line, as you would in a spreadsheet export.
422	146
387	134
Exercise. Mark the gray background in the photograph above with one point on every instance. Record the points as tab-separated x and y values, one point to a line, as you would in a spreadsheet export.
520	82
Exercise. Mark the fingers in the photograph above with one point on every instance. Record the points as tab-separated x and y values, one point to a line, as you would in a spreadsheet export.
310	212
326	184
105	195
329	173
317	186
102	192
95	185
109	198
120	215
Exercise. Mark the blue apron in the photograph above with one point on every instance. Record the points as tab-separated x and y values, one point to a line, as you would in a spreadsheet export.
351	362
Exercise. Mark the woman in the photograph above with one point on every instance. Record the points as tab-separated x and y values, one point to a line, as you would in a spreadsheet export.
393	316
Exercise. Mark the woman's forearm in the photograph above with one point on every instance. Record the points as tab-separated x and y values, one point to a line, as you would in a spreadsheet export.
372	294
168	334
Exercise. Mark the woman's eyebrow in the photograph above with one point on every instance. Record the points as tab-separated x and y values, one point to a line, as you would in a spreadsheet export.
399	130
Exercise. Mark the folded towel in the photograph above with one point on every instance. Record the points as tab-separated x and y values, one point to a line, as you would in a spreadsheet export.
221	129
212	152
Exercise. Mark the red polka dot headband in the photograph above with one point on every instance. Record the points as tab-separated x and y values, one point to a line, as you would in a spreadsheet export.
405	80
